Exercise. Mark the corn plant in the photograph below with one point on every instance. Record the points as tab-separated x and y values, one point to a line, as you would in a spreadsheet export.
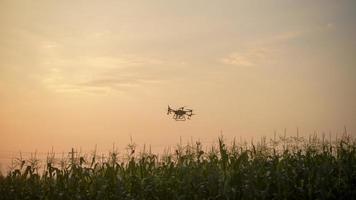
288	168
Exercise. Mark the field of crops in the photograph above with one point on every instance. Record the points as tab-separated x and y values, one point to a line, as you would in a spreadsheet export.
283	168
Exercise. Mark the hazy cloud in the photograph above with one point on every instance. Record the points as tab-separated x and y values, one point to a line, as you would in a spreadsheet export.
261	51
250	57
289	35
86	73
116	83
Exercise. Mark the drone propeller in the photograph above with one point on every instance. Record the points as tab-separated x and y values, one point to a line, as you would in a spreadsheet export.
190	115
169	110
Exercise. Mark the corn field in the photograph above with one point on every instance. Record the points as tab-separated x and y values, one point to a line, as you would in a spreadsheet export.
283	168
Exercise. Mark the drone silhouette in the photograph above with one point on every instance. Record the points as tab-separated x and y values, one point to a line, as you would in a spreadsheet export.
180	114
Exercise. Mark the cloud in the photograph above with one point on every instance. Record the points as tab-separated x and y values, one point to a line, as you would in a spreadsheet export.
295	34
116	83
102	76
263	50
108	82
289	35
330	25
63	73
249	57
99	83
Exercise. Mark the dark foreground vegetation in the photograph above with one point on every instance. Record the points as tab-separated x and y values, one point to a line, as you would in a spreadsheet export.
287	168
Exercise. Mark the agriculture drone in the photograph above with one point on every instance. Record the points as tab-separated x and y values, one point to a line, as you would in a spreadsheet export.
180	114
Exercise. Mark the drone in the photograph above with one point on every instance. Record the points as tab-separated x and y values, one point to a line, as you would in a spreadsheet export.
180	114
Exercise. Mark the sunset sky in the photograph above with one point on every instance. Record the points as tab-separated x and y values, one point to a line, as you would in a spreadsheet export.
85	73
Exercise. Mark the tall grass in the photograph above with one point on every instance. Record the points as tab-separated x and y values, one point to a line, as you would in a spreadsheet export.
283	168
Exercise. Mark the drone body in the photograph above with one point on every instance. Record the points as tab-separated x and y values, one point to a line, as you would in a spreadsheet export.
180	114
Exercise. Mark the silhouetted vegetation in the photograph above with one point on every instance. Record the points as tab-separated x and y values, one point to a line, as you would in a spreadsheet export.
287	168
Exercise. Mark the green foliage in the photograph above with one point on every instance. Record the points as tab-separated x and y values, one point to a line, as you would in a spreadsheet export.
290	168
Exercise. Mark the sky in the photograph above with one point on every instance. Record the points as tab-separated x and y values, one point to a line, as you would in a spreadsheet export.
85	73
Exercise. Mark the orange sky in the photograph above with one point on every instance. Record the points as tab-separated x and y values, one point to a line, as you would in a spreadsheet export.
77	74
